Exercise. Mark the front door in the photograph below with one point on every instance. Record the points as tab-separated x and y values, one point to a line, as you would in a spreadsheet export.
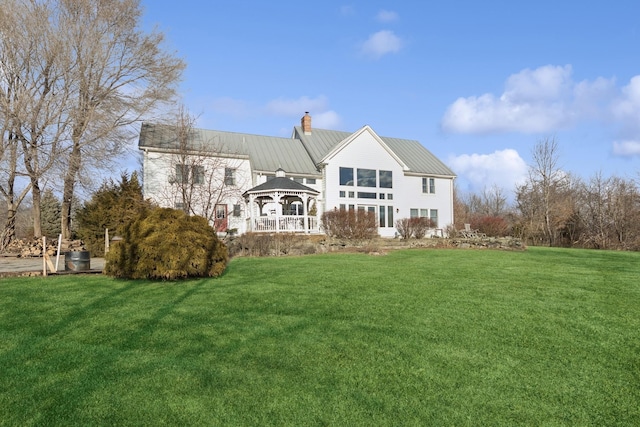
221	218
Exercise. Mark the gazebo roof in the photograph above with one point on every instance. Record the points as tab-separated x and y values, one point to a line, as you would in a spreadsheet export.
281	184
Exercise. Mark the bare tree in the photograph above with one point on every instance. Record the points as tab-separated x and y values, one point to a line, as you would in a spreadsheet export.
118	74
594	213
542	198
31	100
610	211
75	76
204	175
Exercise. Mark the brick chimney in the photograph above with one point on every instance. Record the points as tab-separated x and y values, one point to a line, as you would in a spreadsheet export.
306	123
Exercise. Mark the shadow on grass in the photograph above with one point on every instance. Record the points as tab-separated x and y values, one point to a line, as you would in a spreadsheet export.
64	363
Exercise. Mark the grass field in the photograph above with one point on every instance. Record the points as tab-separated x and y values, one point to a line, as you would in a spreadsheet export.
415	337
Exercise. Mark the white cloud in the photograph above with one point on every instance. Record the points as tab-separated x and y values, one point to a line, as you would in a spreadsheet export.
533	101
380	44
626	107
626	148
503	168
548	83
326	120
296	107
546	100
387	16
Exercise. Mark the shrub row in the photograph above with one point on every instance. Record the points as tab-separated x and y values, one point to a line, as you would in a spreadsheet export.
414	227
350	224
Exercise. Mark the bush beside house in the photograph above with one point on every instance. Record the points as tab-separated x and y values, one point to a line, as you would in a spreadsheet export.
167	244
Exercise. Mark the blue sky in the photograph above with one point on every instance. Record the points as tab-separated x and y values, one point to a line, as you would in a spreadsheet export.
477	83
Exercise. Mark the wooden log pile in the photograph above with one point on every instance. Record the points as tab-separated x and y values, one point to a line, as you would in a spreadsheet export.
29	248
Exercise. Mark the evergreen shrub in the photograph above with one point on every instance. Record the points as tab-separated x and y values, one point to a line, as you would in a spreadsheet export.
112	206
167	244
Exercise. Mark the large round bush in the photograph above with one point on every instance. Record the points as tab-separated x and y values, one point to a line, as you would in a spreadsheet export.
167	244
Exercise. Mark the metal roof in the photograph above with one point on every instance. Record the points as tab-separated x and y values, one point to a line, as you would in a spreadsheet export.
282	183
419	160
298	155
267	153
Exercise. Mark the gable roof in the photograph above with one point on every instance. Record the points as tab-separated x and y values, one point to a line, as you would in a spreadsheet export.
414	155
345	142
298	155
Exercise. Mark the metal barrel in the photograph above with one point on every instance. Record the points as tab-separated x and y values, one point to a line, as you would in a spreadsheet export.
77	261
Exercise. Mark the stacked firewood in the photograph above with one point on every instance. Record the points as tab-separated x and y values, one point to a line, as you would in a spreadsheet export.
28	248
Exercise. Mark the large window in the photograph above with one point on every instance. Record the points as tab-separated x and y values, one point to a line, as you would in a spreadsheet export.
429	185
346	176
386	179
381	217
366	177
390	216
229	176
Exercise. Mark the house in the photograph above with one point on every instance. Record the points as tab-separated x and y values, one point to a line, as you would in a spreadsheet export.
273	184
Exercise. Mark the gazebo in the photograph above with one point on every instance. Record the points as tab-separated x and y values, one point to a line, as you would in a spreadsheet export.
281	205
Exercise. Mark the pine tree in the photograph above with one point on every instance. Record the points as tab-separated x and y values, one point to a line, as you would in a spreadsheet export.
112	206
50	214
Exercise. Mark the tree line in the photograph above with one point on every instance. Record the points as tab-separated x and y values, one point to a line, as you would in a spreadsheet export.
554	207
75	77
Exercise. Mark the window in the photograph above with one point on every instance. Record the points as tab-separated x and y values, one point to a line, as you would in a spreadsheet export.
386	179
424	213
298	179
346	176
381	217
342	194
236	210
390	196
198	174
413	213
311	180
366	177
352	207
429	185
186	172
182	174
390	215
434	217
342	206
230	176
270	177
352	194
365	195
381	197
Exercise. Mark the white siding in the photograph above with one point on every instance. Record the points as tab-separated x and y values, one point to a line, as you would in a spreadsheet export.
366	152
159	169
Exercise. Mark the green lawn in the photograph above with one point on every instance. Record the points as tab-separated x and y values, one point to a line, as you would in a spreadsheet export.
415	337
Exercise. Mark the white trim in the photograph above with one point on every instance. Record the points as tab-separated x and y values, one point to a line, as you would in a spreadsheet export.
345	142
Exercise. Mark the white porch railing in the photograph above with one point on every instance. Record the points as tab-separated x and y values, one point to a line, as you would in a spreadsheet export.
285	223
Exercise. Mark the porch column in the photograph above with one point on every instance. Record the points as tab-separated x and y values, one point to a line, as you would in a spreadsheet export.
305	212
250	209
276	199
